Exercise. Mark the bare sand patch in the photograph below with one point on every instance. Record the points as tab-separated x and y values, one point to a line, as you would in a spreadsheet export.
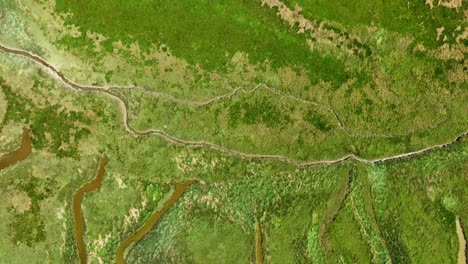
430	3
120	182
450	3
97	39
439	32
315	29
449	52
462	36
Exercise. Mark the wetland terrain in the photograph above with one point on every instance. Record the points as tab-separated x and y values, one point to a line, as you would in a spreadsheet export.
260	131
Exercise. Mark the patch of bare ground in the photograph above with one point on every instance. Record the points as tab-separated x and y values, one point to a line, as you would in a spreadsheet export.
54	23
439	33
316	31
134	214
430	3
120	182
463	35
456	4
97	245
97	39
450	52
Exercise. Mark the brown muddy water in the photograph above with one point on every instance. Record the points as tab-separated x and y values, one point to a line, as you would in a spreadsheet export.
259	247
462	244
179	189
78	213
20	153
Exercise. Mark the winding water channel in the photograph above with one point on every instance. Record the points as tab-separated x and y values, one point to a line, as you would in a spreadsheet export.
21	153
259	246
77	213
204	144
25	150
462	243
127	244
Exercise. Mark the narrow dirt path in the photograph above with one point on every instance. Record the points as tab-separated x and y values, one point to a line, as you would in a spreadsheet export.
77	213
204	144
19	154
179	190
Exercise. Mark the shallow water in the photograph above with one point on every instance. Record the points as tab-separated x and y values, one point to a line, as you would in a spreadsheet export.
179	189
77	213
20	153
462	243
259	247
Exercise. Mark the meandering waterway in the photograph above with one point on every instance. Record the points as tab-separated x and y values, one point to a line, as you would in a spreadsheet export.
78	213
19	154
127	244
198	144
259	246
462	243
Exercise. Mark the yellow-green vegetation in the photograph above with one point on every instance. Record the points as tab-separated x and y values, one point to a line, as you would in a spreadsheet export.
338	127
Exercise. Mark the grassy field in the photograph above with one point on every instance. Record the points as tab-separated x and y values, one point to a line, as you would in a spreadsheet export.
392	209
373	79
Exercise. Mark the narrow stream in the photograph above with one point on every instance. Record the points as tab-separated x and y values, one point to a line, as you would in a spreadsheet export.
462	243
259	247
78	213
127	244
198	144
21	153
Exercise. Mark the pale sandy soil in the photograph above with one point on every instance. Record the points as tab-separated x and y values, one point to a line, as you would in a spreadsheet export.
306	26
430	3
445	3
439	32
450	3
